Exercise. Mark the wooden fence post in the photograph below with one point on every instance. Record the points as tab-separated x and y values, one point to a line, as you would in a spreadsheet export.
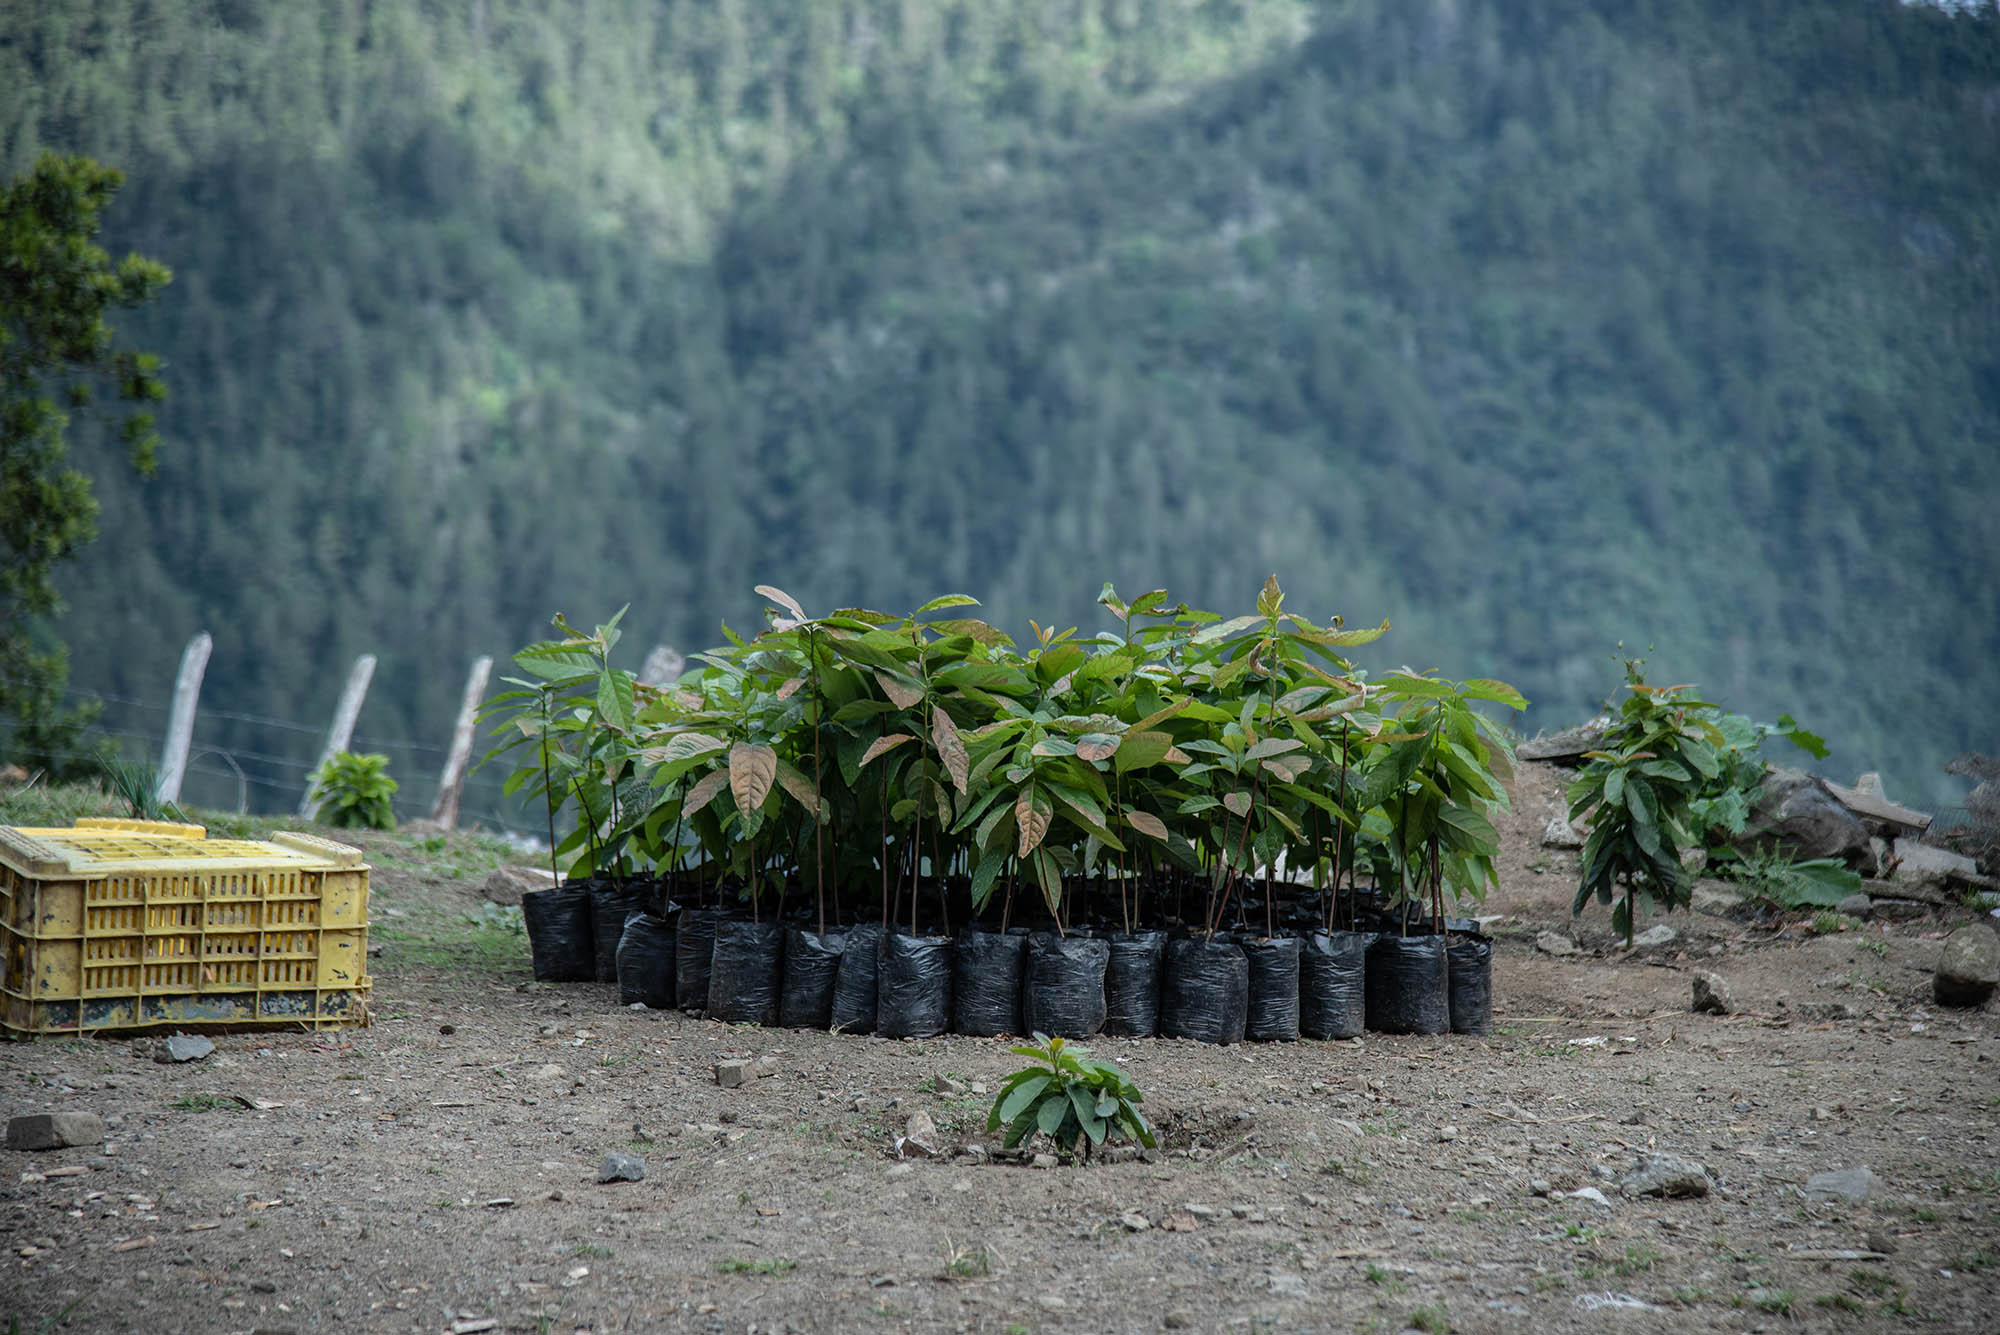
343	721
180	723
445	810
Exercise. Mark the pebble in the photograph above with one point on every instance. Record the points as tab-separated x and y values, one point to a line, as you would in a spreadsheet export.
1135	1222
1667	1175
1712	995
1554	943
621	1168
1288	1286
1846	1184
950	1085
1447	1133
182	1048
902	1170
1045	1161
1178	1319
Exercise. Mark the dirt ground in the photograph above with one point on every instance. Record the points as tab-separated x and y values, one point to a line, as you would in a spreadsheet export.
438	1170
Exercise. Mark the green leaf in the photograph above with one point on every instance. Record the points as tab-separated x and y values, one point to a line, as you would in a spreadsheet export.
705	791
1032	813
884	744
1023	1095
1146	823
1499	692
1051	1113
948	600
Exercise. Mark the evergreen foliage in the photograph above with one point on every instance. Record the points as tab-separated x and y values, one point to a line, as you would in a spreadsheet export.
1669	321
56	287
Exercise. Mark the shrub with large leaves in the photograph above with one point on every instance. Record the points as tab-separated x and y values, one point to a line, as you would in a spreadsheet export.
1637	790
1071	1098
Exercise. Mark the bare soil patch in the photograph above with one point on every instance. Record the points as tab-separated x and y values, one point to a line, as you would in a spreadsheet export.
439	1168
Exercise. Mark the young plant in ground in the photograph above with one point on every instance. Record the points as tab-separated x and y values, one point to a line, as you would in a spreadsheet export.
353	792
1637	791
1070	1098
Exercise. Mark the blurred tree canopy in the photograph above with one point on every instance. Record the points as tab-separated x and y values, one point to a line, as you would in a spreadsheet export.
56	286
1533	328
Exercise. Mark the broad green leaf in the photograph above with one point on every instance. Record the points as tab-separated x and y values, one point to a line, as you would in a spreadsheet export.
800	786
1050	1115
1287	769
782	599
902	692
1272	746
975	630
1137	750
948	600
1499	692
1223	630
1146	823
704	791
752	768
614	700
886	743
950	747
1095	746
1049	876
1024	1094
1237	802
1032	813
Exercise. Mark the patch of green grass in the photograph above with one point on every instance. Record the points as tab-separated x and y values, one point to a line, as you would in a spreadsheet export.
1548	1283
1778	1302
205	1103
1638	1259
967	1262
1845	1302
1433	1319
1385	1279
1974	1262
1876	946
591	1249
55	805
1688	1297
1358	1171
1872	1283
762	1265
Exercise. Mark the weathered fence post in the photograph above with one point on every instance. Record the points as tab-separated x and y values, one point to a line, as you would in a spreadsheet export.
445	810
180	723
343	721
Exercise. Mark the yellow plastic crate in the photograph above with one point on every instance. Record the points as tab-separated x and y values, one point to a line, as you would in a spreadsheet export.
127	924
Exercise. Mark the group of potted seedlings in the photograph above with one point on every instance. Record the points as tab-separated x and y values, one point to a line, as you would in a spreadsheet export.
1187	825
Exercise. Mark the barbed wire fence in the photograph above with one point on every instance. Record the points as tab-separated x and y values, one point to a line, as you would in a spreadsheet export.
267	779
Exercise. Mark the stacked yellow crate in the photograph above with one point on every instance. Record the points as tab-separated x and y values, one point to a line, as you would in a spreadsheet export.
125	924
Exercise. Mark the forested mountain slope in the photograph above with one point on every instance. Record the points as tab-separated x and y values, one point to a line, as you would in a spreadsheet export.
1530	328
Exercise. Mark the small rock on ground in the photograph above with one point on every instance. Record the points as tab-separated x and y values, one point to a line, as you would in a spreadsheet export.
1844	1184
1657	935
54	1131
1667	1175
1968	969
621	1168
182	1048
1712	995
1555	943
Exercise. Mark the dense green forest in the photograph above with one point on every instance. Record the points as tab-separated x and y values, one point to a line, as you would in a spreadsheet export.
1532	328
